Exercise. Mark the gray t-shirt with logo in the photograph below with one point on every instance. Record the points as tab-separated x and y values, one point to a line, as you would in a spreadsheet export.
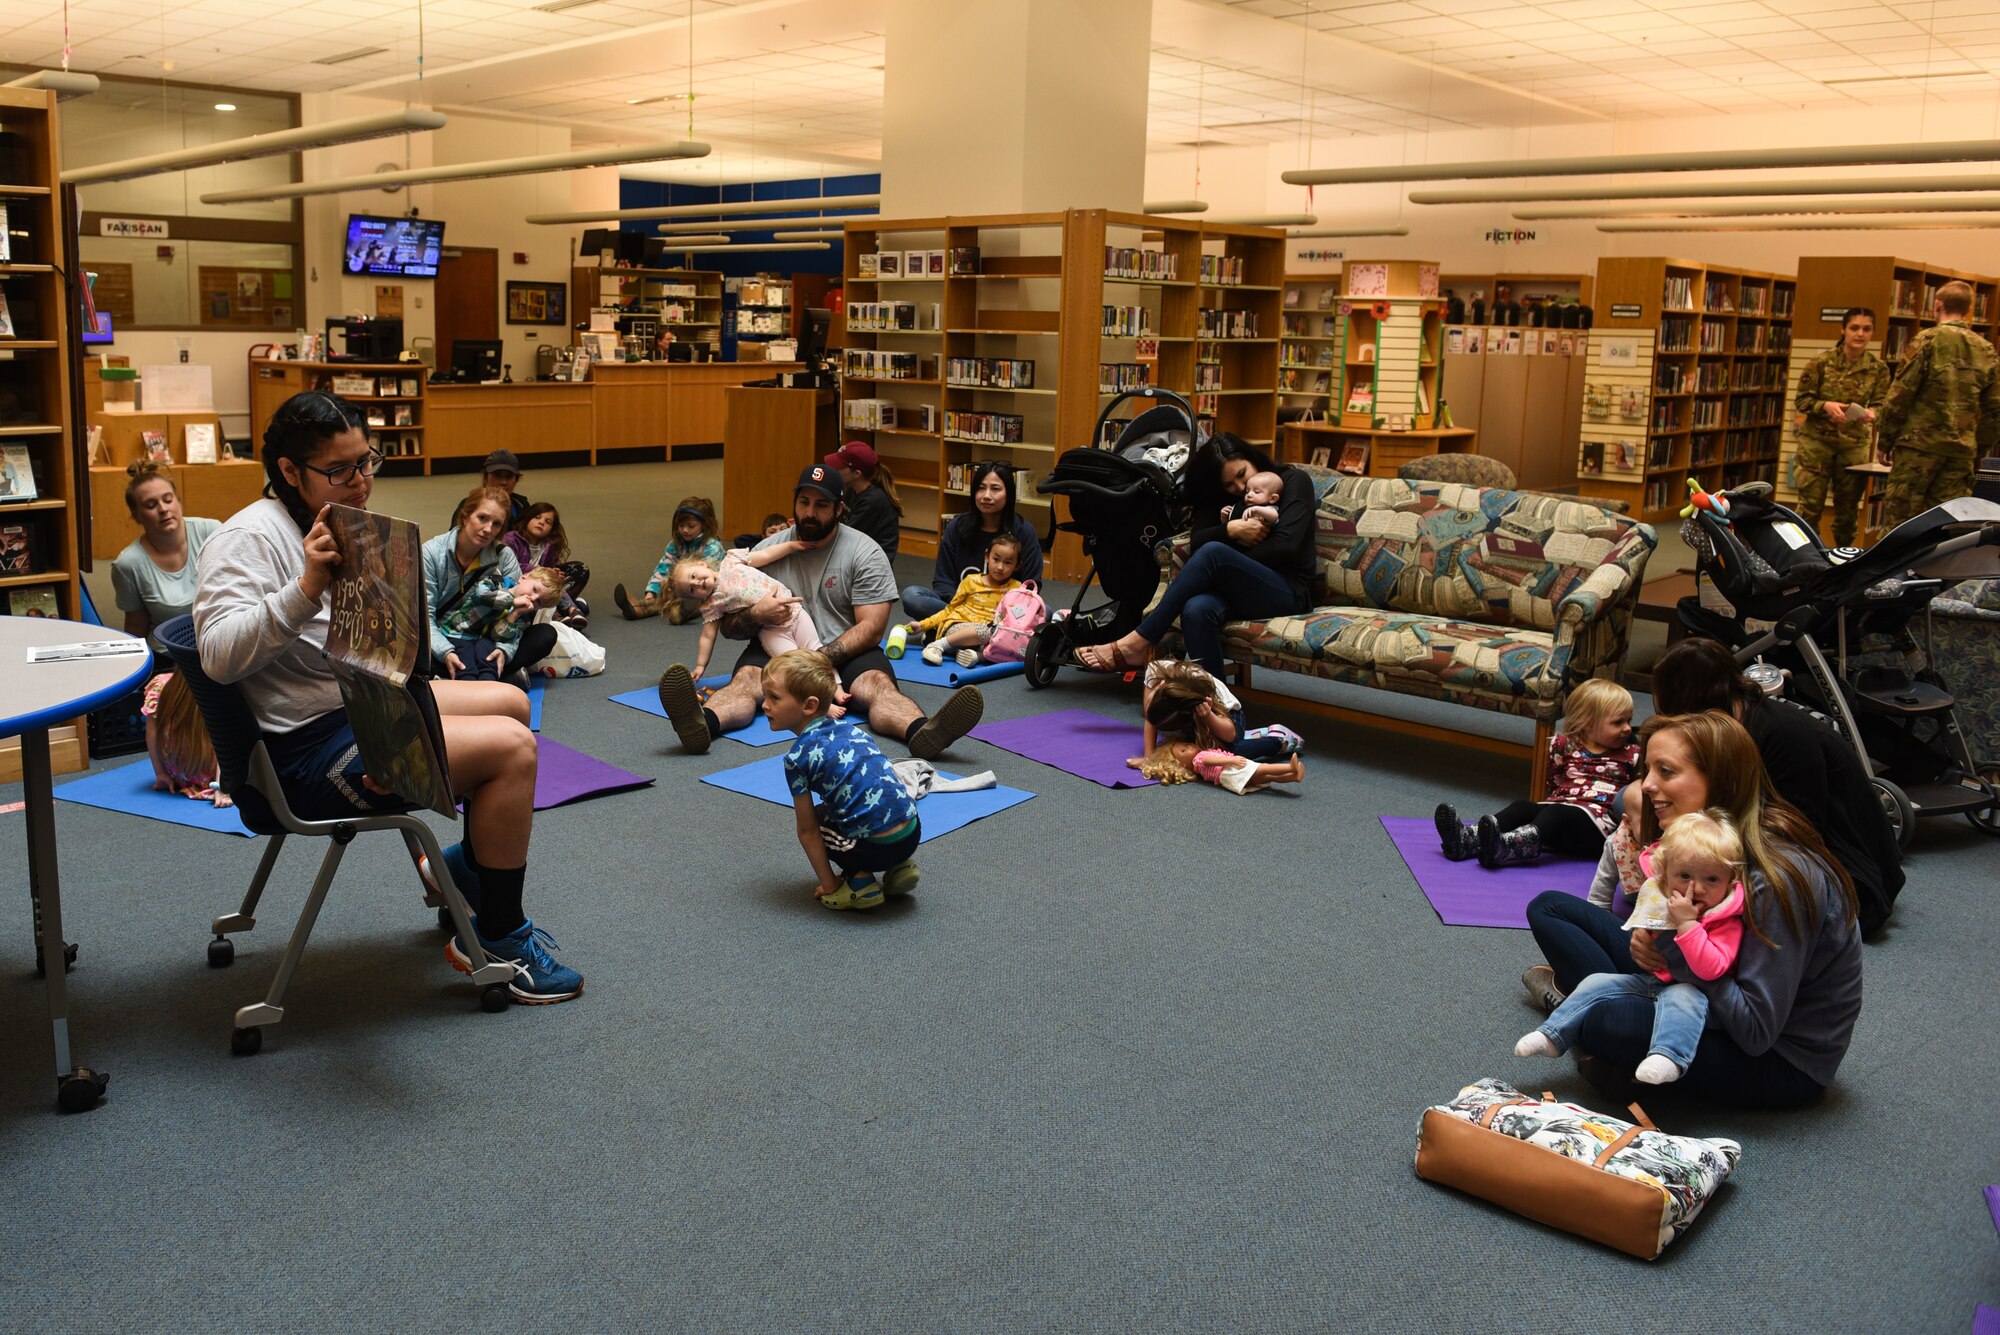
831	581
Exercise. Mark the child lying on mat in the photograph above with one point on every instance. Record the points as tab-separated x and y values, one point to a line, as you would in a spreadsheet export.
737	585
868	822
1698	875
966	623
177	741
1181	699
1184	762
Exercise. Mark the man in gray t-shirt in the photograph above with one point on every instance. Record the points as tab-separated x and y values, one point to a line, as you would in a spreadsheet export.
847	586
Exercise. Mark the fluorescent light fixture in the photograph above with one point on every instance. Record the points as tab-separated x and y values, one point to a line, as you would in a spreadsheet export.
808	236
1886	222
468	171
1175	206
361	128
738	250
711	210
225	106
1351	231
1266	220
358	53
1763	208
1615	164
1925	77
755	224
1825	185
704	239
64	84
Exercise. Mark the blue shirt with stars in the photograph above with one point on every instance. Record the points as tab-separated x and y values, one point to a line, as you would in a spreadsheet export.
836	760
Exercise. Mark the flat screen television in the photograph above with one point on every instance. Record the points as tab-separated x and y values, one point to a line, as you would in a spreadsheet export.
392	247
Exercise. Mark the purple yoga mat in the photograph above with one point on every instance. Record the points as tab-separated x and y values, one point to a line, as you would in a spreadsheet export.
565	775
1075	741
1993	1204
1466	894
1986	1321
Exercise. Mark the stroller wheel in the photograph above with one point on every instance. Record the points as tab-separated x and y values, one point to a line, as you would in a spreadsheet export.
1042	658
1987	819
1896	806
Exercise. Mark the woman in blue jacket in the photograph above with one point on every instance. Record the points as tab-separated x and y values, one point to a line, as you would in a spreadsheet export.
479	606
962	546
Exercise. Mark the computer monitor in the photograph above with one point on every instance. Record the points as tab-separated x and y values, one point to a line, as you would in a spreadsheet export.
475	359
813	336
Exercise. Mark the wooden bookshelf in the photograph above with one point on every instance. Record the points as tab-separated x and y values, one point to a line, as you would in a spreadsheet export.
1392	350
1312	332
661	295
1238	332
37	534
388	390
1900	292
1685	378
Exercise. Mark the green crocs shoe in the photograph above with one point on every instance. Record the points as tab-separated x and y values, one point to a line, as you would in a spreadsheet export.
900	879
863	895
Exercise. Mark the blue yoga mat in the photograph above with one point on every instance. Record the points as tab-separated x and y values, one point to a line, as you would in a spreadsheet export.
535	687
912	667
757	732
941	813
129	789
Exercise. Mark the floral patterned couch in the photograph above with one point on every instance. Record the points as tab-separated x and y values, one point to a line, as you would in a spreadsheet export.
1482	597
1965	626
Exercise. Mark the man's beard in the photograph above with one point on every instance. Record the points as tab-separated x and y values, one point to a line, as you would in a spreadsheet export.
810	529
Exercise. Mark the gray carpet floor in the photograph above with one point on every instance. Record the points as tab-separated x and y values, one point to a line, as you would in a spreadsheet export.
1145	1060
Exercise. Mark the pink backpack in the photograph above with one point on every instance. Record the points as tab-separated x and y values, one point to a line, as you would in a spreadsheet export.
1020	614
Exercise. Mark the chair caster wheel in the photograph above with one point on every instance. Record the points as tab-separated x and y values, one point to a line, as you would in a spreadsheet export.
80	1090
445	924
495	999
221	953
246	1042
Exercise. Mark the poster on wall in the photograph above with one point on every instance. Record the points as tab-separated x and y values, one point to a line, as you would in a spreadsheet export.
1618	352
1367	280
536	303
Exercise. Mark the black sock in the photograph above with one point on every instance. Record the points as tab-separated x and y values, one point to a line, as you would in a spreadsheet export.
465	848
500	901
916	726
714	723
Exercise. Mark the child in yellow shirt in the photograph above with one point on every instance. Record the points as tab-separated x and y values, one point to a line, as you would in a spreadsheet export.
966	623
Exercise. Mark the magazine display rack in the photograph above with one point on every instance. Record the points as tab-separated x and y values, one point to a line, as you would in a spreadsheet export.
1392	348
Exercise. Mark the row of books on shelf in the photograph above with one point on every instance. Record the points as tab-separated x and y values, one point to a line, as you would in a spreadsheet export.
888	415
39	602
884	316
1679	293
1305	354
1677	333
1715	298
958	478
986	428
1295	295
1220	324
1223	270
1755	410
1310	326
1117	377
1353	458
1714	337
1208	375
769	323
375	387
905	263
873	364
990	372
21	550
1294	380
1473	340
1127	321
1136	262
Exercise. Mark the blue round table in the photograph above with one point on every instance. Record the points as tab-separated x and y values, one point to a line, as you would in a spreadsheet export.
36	697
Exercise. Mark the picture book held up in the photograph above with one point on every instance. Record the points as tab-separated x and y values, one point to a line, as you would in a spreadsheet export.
376	631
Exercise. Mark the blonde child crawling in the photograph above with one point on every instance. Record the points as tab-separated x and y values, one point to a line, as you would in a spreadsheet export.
736	585
1697	870
1184	762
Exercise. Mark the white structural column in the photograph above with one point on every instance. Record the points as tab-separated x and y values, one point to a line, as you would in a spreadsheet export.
1012	106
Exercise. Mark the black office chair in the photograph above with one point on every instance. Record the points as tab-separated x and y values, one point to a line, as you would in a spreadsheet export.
246	774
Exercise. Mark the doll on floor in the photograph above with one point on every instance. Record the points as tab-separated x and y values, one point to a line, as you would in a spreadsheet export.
1184	762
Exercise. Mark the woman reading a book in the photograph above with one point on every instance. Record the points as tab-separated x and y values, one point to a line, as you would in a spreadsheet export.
154	577
261	621
1240	568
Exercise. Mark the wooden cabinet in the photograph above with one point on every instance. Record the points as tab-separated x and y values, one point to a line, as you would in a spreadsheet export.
769	437
391	394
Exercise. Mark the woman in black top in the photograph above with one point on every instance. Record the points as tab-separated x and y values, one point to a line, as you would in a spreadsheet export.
1810	766
872	504
962	546
1240	569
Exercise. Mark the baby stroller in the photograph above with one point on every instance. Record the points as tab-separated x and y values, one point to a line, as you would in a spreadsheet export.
1124	499
1787	592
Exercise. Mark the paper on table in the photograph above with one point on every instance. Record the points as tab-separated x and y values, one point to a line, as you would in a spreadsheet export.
63	653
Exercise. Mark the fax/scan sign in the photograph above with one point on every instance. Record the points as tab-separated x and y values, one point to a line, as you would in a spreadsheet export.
144	228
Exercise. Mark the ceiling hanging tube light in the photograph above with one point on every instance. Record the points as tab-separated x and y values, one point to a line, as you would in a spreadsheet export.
1839	185
1900	222
808	236
708	210
754	224
734	249
467	171
65	84
1266	220
1394	230
1614	164
298	139
1175	206
1762	208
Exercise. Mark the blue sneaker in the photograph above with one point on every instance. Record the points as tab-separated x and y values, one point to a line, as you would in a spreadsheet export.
461	875
538	979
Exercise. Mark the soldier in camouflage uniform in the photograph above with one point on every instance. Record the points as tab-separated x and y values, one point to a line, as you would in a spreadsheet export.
1829	443
1942	411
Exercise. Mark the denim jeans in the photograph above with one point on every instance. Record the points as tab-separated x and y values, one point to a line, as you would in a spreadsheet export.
1218	584
920	601
1679	1012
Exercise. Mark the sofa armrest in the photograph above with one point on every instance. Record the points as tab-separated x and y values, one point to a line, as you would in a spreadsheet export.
1594	620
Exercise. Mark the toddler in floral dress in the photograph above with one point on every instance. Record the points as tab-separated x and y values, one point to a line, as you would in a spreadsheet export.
736	585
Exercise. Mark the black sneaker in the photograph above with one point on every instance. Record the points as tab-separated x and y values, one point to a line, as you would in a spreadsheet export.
624	601
683	705
958	717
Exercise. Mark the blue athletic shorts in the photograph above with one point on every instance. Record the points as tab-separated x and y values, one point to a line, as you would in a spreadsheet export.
320	769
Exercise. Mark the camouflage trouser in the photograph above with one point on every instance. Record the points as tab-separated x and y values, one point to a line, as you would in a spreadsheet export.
1917	481
1819	465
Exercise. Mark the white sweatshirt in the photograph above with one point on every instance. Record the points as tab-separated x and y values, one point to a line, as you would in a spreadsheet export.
256	626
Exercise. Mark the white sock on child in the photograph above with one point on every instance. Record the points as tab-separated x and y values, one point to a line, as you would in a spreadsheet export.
1657	1070
934	652
1535	1043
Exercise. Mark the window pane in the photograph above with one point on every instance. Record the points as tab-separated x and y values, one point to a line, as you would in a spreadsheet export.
132	120
205	284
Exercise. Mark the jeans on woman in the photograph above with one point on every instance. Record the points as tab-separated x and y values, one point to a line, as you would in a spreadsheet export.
1217	585
1679	1012
919	601
1579	939
533	647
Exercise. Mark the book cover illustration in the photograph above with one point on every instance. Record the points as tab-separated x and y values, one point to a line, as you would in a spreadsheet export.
17	550
376	630
201	442
1354	458
156	445
32	602
17	474
6	319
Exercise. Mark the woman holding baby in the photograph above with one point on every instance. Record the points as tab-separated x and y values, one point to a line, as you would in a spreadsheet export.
1251	556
